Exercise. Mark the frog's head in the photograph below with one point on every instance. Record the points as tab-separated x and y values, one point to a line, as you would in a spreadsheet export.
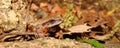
53	22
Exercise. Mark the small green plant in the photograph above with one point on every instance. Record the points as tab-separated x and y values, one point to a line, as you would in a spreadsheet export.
93	42
69	18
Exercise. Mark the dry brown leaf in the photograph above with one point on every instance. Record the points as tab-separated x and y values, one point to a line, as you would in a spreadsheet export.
34	7
56	9
79	29
13	1
46	7
43	5
53	1
94	19
104	37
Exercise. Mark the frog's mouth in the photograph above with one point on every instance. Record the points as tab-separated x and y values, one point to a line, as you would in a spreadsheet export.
52	22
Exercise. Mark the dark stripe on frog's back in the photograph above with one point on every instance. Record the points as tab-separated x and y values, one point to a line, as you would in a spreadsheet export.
52	22
57	20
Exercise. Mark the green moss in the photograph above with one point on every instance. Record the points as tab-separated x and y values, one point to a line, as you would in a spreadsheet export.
69	18
93	42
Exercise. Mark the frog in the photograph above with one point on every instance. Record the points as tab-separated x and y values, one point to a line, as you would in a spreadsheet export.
41	25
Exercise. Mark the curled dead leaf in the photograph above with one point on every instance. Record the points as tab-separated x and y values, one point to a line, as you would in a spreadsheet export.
80	29
56	9
102	38
43	5
34	7
46	7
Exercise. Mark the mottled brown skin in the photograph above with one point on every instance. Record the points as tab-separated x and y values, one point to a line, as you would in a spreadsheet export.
41	26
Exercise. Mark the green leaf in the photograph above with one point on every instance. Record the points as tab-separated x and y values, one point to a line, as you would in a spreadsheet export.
93	42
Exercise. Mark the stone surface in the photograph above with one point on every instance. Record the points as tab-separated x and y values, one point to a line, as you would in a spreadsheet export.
46	43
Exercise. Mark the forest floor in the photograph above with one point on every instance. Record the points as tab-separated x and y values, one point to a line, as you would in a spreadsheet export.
59	23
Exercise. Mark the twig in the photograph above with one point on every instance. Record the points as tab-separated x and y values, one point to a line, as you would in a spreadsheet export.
18	33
